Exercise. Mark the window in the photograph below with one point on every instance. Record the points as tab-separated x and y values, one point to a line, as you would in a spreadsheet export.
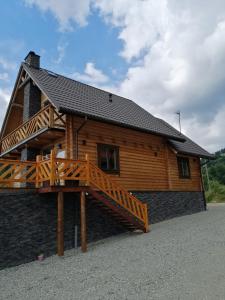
108	158
183	167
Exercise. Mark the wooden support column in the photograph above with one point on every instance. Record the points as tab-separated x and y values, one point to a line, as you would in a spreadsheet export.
70	138
60	225
38	159
83	222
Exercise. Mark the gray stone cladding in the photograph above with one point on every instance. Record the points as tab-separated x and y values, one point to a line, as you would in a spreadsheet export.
167	205
28	224
28	220
31	100
29	153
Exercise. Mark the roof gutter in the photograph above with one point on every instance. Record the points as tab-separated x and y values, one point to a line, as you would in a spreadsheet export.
77	135
209	157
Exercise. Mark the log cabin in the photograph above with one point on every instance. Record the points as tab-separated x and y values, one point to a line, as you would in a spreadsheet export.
79	163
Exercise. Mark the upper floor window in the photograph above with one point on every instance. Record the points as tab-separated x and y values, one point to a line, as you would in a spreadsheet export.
108	158
183	167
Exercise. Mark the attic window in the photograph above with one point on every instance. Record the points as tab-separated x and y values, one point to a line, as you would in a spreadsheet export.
52	74
110	97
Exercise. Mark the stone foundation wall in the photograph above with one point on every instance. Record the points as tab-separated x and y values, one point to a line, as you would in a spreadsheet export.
167	205
28	221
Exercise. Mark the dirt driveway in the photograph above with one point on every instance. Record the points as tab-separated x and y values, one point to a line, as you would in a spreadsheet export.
183	258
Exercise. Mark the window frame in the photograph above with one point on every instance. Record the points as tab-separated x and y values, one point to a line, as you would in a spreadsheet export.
179	163
100	146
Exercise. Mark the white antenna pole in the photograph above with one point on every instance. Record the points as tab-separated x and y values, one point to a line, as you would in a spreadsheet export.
179	119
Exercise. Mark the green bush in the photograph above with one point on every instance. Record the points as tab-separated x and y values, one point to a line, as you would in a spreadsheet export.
216	192
214	179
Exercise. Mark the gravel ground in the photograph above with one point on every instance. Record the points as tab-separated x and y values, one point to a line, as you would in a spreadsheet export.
183	258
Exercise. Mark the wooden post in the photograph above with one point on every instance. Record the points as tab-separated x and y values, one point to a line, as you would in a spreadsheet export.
38	159
60	225
69	137
83	222
51	116
146	218
52	171
87	170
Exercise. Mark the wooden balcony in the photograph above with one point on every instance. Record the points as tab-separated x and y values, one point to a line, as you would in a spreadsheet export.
46	119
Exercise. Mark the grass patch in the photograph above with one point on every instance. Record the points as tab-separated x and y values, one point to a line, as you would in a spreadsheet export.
216	193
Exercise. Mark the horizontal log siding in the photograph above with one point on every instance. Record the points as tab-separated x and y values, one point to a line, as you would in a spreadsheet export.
143	157
179	184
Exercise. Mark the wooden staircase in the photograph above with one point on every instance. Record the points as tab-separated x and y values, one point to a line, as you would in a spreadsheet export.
117	213
114	199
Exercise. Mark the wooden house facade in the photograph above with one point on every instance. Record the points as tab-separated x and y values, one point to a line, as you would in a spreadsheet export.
61	136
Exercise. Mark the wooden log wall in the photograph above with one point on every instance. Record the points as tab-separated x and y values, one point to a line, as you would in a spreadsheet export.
146	161
177	183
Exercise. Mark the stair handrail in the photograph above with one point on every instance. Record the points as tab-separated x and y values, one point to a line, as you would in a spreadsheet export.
134	205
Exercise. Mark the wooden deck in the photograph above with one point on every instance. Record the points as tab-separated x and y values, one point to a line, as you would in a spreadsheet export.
67	175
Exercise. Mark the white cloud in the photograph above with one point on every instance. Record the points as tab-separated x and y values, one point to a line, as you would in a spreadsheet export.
138	30
91	75
176	51
65	11
61	49
176	56
4	99
211	135
7	68
6	64
4	76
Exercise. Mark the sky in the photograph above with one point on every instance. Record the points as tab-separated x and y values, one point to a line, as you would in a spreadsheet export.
166	55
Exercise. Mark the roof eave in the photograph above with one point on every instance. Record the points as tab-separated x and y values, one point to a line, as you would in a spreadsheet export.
208	156
102	119
10	102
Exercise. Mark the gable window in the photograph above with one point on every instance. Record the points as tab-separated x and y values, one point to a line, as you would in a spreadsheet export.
183	167
108	158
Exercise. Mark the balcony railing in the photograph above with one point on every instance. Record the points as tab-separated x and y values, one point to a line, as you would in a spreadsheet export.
47	117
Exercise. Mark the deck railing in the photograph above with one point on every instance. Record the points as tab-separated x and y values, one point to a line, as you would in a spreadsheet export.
15	174
115	191
56	171
47	117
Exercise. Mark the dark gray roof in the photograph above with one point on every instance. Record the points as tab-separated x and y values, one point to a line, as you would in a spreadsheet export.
188	147
71	96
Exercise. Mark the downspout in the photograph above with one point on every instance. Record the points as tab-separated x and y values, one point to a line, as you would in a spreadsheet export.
76	201
204	197
77	134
